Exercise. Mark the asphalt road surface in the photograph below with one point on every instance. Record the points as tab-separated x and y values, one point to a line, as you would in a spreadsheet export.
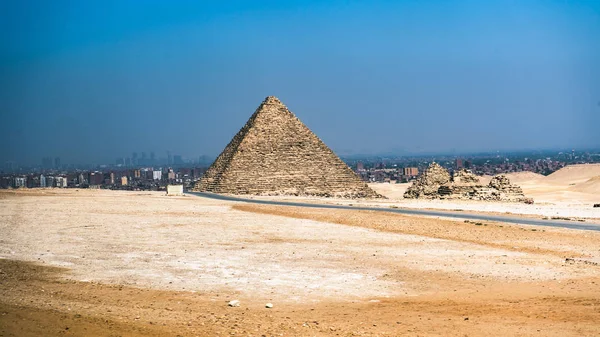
461	214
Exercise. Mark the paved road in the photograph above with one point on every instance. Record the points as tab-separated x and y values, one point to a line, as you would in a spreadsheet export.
461	215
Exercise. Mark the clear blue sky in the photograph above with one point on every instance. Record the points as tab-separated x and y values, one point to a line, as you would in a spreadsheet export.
93	80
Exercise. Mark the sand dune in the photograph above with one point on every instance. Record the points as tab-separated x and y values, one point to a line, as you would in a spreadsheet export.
526	176
573	184
592	185
391	191
574	174
569	175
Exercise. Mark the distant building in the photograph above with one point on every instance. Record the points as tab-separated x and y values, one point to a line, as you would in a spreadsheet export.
57	162
156	175
459	163
360	166
5	182
197	172
147	174
20	182
410	171
124	180
112	178
71	178
50	181
33	181
171	175
42	181
61	182
96	178
82	179
185	172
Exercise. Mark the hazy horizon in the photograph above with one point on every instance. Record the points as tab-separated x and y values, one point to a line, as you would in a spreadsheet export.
92	81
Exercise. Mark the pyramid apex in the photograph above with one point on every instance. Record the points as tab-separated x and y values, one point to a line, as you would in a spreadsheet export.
272	100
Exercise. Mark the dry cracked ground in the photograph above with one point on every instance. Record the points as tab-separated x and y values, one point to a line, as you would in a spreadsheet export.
108	263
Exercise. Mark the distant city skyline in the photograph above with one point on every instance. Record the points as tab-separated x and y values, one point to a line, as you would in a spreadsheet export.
89	82
49	162
134	158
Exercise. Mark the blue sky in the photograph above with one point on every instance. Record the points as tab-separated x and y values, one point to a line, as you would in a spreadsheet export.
90	81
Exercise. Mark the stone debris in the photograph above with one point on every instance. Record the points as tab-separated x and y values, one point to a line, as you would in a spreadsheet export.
505	191
276	154
573	260
428	183
269	305
234	303
464	176
436	183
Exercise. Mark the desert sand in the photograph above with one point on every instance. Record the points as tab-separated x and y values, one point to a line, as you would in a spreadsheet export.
524	177
574	174
576	184
104	263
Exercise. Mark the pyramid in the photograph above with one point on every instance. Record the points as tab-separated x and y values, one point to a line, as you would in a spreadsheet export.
276	154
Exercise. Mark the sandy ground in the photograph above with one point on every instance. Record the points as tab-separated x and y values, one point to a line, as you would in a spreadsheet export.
131	263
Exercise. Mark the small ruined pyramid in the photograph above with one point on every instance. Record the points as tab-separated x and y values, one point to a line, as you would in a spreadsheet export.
276	154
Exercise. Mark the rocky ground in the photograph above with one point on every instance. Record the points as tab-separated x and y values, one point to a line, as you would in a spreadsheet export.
104	263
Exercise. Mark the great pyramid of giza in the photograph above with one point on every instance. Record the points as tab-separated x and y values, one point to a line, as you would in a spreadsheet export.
276	154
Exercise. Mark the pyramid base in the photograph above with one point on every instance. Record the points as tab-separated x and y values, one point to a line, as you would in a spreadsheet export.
369	194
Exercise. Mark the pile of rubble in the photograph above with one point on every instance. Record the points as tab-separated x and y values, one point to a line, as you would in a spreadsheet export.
464	176
437	183
501	189
428	183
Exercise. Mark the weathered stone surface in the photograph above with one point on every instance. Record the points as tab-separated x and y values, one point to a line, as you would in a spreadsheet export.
276	154
464	176
502	183
453	191
436	183
506	191
428	183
